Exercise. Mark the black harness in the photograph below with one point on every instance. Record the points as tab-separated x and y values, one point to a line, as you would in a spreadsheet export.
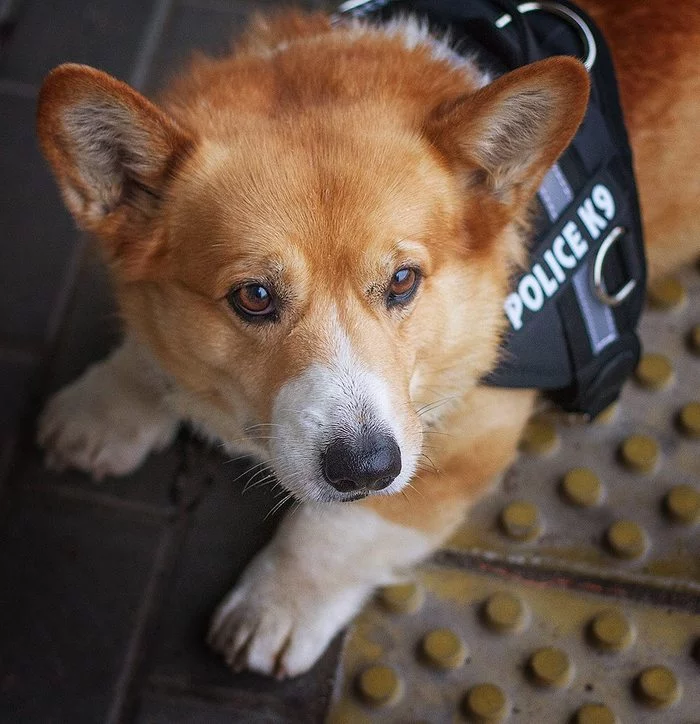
573	312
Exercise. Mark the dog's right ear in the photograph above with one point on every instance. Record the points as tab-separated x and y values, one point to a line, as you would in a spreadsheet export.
112	151
506	136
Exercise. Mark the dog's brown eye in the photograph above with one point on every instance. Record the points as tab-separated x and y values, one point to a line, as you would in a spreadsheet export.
403	285
252	300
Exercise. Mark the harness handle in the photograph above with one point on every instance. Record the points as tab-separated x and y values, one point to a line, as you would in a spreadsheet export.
512	11
516	12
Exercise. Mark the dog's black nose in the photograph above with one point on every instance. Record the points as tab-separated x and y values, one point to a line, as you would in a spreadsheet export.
369	463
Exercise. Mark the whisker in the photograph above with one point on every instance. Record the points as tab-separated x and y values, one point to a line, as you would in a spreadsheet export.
237	458
277	506
414	488
432	448
433	406
422	469
262	424
438	432
260	478
248	471
430	461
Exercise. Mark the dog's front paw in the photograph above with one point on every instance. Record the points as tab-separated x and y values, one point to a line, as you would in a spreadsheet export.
279	621
103	425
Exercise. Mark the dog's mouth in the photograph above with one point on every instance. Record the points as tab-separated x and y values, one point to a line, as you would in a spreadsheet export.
351	497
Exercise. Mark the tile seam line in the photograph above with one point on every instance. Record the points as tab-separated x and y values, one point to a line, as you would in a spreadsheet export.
149	43
133	671
169	687
650	592
65	293
102	499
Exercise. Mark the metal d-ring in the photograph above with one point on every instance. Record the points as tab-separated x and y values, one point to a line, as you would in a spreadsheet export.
611	300
574	19
350	6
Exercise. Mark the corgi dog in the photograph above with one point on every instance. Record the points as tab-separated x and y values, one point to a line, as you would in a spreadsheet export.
311	241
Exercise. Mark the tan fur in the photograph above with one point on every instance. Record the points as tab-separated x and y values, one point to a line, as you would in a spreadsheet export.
376	180
321	159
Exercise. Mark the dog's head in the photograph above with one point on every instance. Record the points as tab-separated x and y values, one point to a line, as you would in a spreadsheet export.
330	277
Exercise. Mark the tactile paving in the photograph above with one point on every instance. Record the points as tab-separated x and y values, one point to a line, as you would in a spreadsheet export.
579	657
618	497
588	514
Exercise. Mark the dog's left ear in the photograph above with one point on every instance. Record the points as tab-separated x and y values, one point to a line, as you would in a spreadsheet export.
508	134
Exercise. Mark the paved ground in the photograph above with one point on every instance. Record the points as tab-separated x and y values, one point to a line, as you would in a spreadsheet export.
106	590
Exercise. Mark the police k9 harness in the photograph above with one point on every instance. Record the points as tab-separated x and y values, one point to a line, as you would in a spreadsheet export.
573	312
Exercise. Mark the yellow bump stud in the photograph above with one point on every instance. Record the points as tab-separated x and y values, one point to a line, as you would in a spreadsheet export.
402	598
658	687
595	714
539	438
607	415
654	371
520	520
443	649
694	339
666	293
640	453
689	419
379	686
504	612
550	667
485	703
682	503
582	487
611	631
626	539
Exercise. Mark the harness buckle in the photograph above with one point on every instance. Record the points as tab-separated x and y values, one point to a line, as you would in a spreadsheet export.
562	11
611	300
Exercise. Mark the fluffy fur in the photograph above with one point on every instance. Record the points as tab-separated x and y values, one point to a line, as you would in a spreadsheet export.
317	160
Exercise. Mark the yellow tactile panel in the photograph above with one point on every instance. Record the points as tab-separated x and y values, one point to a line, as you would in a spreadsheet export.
619	497
572	657
616	501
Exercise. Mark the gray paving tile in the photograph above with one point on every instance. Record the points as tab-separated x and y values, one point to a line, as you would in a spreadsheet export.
226	530
162	709
73	579
260	5
17	373
89	332
159	709
210	30
37	236
151	486
8	445
207	26
90	328
96	32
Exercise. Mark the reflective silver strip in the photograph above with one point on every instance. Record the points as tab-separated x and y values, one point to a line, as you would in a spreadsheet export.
599	320
555	193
